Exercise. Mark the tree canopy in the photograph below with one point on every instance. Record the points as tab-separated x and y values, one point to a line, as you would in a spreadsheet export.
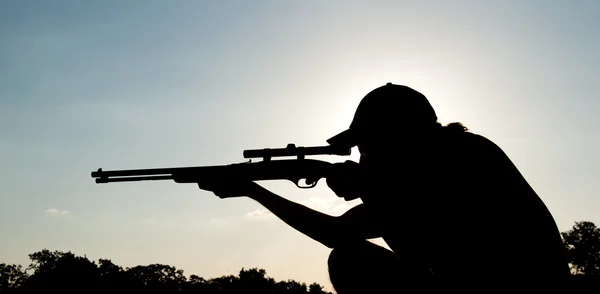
64	271
582	246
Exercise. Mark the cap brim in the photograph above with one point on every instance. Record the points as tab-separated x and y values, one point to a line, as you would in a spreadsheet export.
343	139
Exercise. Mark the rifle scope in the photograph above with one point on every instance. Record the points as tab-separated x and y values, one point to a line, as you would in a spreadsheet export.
292	150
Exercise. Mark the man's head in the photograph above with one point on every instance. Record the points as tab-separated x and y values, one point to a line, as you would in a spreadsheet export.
386	115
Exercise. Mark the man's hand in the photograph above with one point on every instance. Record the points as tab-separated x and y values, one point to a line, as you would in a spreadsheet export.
345	180
230	188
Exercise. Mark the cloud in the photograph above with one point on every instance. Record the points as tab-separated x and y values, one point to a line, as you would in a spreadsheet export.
55	211
259	214
333	206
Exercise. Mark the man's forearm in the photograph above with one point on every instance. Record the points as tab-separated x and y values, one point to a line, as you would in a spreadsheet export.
316	225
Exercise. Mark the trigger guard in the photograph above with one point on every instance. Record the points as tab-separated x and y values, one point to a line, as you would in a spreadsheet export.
311	185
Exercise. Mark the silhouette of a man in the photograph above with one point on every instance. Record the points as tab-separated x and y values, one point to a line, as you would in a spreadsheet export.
453	208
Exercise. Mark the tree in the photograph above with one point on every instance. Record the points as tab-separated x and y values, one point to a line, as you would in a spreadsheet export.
197	284
291	287
157	277
11	277
223	284
254	280
315	288
113	277
582	246
61	271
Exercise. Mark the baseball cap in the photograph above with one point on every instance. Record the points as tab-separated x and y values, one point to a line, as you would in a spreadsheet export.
384	109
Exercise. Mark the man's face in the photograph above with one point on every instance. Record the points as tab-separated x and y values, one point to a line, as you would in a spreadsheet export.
374	144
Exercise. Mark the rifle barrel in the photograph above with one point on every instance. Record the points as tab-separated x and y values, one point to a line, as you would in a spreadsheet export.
130	175
138	172
132	179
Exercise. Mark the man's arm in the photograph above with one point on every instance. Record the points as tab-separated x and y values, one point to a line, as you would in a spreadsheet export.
331	231
359	223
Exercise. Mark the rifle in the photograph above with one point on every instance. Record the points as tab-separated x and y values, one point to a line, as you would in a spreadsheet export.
294	170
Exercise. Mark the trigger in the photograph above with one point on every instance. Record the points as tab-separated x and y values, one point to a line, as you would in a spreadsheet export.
312	182
306	187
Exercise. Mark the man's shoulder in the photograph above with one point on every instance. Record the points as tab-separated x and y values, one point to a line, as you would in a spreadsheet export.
472	149
475	139
478	143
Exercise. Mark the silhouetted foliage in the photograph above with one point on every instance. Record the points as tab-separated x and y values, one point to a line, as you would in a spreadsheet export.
66	272
582	245
61	270
11	277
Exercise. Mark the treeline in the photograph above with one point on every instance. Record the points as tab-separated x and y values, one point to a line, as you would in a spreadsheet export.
66	272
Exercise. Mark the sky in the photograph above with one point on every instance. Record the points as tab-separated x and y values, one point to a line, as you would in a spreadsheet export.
144	84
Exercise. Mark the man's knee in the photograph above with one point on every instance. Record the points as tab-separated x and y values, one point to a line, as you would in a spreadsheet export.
361	265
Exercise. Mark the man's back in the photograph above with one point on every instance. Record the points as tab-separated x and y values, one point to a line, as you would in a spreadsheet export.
461	207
